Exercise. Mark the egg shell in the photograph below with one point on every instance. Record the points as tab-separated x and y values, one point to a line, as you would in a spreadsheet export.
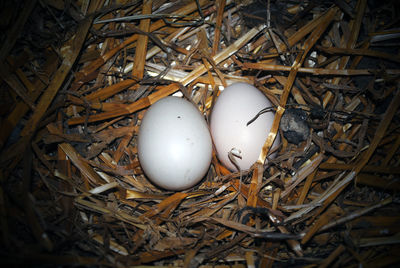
174	144
236	105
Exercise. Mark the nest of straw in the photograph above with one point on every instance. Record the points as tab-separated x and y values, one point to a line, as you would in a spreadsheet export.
77	77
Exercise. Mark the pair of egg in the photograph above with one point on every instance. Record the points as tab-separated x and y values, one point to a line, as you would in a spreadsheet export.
175	143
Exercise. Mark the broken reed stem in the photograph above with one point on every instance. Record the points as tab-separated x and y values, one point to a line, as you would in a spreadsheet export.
360	52
218	24
317	71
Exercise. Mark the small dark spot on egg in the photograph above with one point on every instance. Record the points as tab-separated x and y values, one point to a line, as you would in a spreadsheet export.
179	117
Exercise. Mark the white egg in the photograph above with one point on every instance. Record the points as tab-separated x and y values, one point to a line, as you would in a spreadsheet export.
174	144
236	105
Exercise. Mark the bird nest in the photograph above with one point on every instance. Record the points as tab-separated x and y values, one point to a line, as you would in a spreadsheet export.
78	76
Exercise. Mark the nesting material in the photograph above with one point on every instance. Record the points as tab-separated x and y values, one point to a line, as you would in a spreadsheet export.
78	76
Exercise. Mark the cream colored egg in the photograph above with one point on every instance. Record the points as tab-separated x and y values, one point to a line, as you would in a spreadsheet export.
174	144
235	107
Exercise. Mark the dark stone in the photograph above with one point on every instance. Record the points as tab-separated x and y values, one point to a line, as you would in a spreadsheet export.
294	125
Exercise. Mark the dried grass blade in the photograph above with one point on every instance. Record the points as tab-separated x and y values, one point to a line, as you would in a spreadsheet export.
107	92
324	219
170	200
151	256
306	188
104	187
132	194
82	165
303	173
209	211
338	184
255	185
